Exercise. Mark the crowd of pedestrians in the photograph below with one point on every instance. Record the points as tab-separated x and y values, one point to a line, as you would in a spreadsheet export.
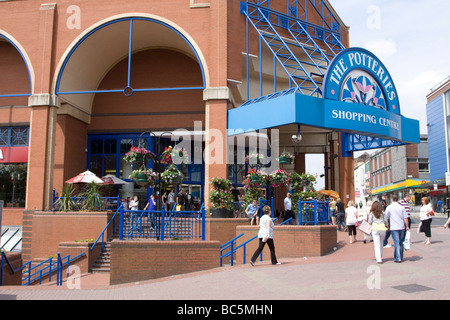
384	222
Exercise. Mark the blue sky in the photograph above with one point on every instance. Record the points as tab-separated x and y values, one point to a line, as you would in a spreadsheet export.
411	37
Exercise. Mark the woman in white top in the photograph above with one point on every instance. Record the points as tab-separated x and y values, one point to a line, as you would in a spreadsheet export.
351	218
265	234
426	212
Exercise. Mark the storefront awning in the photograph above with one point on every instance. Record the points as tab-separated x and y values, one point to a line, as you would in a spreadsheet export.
323	113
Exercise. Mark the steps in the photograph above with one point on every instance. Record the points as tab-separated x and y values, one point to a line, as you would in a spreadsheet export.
103	262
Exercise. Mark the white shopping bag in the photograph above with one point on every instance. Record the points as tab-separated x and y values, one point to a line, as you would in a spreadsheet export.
407	242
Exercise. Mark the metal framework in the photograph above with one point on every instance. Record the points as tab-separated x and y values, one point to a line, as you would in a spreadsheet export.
128	90
306	70
303	50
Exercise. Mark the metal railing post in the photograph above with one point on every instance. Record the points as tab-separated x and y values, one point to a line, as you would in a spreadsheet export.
163	227
315	212
203	223
121	223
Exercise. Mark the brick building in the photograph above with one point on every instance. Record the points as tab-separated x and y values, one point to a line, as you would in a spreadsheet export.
84	81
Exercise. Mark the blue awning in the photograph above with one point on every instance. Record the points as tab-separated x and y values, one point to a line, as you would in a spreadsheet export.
329	114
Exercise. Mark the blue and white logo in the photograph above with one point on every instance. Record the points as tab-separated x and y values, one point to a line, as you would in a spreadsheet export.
358	76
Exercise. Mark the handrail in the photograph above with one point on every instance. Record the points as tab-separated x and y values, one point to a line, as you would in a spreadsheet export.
3	259
30	278
102	233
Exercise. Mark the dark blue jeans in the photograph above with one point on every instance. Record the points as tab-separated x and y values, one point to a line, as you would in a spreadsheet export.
398	236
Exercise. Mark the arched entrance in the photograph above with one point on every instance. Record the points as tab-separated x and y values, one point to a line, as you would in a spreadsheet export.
122	79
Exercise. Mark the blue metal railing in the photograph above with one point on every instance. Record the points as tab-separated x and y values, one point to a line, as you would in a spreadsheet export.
37	273
231	245
113	221
313	212
162	224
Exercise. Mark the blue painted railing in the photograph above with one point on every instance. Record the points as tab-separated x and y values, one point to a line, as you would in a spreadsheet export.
102	234
38	272
231	245
161	224
313	212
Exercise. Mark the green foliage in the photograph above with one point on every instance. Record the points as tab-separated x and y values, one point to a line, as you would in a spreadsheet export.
66	201
93	200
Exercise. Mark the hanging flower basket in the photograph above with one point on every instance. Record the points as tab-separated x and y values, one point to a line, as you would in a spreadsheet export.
254	158
286	158
279	178
144	176
171	175
137	154
175	155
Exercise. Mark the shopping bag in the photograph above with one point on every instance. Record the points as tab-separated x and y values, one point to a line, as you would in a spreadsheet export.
419	227
365	227
407	242
178	208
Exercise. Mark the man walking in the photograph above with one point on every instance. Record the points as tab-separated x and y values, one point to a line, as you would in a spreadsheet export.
405	203
398	222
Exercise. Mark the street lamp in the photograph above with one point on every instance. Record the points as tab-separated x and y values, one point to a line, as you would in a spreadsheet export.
157	160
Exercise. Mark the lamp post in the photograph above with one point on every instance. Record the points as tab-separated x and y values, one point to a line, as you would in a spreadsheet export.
157	160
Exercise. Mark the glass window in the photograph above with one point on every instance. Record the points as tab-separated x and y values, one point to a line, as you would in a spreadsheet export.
13	180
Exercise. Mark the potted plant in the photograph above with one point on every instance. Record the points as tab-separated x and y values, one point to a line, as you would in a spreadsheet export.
137	154
171	175
221	198
66	202
93	200
279	178
254	158
286	158
175	155
144	176
254	176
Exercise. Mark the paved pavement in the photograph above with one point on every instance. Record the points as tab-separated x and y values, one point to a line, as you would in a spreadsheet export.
350	272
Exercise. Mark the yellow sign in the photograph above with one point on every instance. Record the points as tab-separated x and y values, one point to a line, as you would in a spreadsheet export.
401	185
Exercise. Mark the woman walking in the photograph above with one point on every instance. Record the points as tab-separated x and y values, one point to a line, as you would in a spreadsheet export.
426	212
340	214
351	219
265	234
379	223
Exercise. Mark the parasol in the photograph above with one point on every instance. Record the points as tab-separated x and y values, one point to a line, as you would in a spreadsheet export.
86	177
329	193
110	179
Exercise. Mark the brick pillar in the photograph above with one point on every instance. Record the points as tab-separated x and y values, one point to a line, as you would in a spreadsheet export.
216	126
41	151
43	106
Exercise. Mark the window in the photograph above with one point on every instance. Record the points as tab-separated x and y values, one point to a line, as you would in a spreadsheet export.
14	136
13	179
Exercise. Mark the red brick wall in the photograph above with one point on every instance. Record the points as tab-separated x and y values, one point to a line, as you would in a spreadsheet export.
10	278
133	261
290	241
48	230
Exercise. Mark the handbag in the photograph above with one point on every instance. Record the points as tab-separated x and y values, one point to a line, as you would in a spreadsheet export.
365	227
419	227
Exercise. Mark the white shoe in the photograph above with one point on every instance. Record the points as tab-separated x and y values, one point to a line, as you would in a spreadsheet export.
252	263
387	246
